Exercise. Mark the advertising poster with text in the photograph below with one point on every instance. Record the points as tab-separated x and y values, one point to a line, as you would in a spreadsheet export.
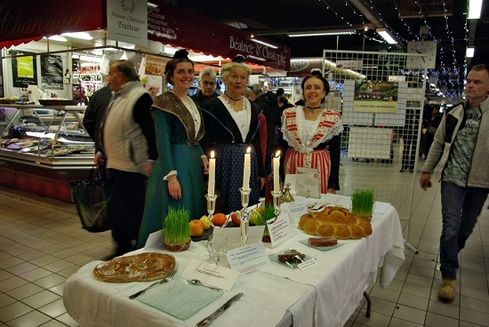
376	97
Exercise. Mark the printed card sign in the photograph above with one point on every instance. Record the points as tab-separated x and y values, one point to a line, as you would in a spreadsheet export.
127	21
278	230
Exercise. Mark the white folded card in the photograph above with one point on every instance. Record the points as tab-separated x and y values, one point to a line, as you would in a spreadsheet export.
211	274
278	229
233	235
154	241
308	183
248	258
294	210
291	179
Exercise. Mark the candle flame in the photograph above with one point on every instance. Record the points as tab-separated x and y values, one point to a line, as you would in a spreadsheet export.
277	154
212	154
248	150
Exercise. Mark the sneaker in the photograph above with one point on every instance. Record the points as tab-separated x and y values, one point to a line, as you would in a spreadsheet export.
446	292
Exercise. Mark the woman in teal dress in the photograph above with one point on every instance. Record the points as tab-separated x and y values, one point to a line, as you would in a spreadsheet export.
177	179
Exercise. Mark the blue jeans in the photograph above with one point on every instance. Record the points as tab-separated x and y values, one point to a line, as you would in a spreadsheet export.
460	208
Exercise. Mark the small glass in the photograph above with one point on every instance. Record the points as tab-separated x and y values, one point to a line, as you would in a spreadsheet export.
217	247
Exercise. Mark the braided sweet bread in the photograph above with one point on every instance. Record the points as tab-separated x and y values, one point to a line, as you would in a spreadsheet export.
337	222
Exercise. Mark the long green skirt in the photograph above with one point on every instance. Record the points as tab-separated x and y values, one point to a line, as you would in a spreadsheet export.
189	172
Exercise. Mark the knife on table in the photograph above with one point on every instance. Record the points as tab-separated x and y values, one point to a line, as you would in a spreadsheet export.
207	320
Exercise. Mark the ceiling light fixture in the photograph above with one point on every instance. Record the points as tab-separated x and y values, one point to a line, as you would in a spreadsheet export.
79	35
204	58
263	43
469	53
386	36
152	5
256	58
58	38
475	7
322	33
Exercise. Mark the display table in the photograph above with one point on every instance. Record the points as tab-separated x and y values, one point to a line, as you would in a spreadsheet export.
325	294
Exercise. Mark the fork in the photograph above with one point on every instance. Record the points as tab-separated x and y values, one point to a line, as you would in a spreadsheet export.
162	281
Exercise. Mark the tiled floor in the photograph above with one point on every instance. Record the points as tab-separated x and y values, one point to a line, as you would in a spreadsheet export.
41	244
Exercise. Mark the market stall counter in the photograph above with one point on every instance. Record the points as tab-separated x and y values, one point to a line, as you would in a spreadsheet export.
43	149
323	294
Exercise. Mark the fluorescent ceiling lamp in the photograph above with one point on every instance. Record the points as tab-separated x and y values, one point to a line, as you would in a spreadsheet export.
169	50
475	7
204	58
386	36
322	33
57	38
256	58
469	53
90	58
152	5
263	43
79	35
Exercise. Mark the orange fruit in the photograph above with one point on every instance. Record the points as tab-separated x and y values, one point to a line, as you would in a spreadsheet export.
219	219
196	227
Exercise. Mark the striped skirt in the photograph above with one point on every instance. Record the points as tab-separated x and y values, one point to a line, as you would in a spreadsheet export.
318	160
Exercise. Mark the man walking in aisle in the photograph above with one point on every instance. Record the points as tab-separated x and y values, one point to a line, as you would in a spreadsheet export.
461	146
128	142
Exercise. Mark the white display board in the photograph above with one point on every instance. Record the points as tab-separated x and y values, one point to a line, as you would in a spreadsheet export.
369	142
426	48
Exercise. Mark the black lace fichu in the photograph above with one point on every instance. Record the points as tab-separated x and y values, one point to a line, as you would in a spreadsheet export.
182	53
239	59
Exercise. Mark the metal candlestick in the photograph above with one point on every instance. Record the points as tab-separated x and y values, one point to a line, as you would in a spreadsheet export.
244	215
211	205
277	196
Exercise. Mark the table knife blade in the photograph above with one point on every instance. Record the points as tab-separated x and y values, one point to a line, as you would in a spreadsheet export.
207	320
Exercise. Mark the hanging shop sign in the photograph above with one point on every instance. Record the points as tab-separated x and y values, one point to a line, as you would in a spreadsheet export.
127	21
27	20
24	68
175	26
419	9
51	72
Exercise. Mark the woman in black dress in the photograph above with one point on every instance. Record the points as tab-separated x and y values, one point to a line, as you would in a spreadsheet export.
231	122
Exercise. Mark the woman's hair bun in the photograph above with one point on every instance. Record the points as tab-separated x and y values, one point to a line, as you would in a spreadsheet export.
239	59
182	53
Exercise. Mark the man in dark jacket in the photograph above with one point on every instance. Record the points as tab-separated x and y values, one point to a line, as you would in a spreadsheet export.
92	119
268	104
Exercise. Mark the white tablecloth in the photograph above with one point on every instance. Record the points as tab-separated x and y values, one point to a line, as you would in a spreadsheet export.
323	295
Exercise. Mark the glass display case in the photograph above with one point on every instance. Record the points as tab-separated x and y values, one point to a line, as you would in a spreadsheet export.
49	136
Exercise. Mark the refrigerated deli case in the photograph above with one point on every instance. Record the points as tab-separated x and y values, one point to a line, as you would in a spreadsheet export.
44	148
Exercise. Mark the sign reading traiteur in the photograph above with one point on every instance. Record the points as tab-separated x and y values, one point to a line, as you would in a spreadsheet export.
127	21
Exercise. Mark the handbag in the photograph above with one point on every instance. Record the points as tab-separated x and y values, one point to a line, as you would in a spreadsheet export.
91	202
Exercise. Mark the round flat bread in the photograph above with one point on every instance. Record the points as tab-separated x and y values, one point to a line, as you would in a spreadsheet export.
135	268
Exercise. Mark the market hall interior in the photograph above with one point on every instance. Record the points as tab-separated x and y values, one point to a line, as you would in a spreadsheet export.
42	244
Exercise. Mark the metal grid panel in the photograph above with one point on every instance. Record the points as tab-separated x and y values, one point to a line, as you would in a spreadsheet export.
382	128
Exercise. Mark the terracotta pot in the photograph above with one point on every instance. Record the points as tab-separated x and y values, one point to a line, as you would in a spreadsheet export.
177	247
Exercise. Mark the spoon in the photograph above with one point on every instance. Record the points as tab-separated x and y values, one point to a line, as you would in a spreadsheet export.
198	282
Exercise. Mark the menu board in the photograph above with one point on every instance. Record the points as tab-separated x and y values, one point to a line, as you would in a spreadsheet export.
51	72
24	68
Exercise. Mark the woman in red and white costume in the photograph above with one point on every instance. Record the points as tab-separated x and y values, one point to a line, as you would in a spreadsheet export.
313	134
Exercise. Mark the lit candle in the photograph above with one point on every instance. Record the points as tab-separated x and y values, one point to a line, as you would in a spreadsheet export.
276	168
212	175
247	169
